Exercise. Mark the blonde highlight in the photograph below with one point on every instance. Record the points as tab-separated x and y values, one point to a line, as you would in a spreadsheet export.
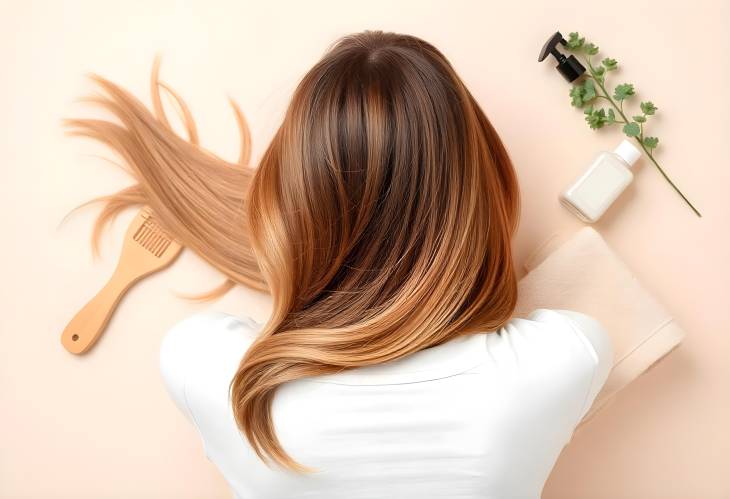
379	217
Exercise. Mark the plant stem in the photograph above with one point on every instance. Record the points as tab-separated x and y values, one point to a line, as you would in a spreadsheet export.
667	178
638	139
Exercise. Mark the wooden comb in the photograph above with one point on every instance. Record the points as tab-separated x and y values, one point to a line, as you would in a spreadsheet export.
147	248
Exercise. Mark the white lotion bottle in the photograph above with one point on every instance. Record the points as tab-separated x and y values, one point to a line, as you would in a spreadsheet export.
605	179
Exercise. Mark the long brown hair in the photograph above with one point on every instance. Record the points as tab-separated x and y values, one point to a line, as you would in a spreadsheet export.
380	216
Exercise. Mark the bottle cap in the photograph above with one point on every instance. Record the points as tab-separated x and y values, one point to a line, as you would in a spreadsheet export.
569	66
628	152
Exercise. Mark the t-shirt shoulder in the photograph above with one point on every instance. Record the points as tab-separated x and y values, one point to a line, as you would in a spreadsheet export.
572	326
194	347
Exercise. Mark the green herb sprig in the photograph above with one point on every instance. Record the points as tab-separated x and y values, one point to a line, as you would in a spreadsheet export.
587	93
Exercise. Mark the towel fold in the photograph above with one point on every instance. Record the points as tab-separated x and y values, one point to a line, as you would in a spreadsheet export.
579	271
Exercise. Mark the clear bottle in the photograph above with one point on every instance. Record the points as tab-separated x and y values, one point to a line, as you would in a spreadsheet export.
604	180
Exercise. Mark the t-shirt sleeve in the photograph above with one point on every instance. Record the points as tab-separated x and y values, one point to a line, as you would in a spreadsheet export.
597	345
198	357
180	346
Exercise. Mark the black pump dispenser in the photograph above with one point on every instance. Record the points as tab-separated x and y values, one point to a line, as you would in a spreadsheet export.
569	67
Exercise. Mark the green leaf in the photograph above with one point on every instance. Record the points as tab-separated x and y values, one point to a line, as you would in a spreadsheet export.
632	129
639	118
609	64
575	41
648	108
597	118
623	91
598	70
589	90
650	142
576	94
590	49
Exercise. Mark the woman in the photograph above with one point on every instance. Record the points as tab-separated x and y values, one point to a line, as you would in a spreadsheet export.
380	219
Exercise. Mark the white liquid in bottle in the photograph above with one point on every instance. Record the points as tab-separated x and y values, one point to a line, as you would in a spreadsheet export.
605	179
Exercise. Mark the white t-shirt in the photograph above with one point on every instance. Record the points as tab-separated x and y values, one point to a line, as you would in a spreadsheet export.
481	416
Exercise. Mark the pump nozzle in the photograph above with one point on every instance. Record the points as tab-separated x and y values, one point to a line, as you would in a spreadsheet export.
569	66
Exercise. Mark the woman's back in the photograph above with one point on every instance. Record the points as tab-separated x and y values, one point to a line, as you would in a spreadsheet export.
482	415
380	219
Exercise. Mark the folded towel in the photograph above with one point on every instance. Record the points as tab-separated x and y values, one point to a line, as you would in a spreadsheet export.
579	271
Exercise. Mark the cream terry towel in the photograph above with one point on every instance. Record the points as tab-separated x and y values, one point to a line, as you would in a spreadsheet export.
579	271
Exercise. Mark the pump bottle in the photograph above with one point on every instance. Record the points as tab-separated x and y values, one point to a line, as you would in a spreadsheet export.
603	181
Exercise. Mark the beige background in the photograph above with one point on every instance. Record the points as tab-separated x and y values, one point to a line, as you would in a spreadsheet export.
101	426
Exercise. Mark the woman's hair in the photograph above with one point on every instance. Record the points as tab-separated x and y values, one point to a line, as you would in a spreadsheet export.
380	216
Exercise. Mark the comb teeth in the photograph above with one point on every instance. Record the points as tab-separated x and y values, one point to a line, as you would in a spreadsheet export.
151	236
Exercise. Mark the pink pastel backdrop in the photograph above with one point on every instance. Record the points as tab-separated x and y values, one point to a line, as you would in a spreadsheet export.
101	425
